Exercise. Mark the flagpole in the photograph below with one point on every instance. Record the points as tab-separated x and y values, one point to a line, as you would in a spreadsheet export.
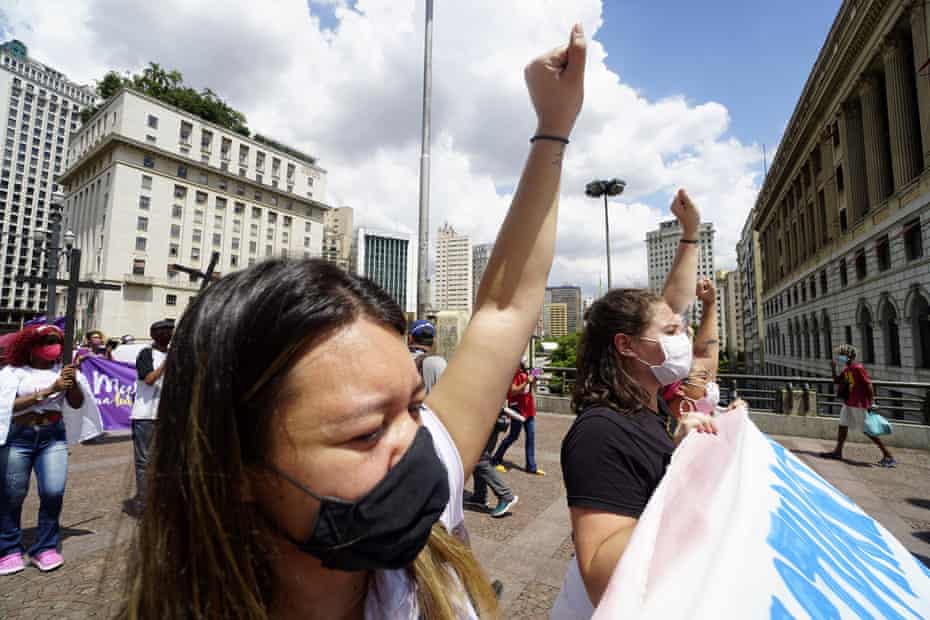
423	248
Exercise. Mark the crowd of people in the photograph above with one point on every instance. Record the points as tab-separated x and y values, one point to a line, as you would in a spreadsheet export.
312	444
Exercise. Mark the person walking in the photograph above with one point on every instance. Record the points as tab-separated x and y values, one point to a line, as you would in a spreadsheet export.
855	388
522	401
150	370
485	476
43	407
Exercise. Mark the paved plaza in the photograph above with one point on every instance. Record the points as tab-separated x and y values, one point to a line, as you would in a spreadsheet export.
527	550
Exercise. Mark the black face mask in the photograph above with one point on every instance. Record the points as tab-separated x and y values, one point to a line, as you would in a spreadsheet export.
389	526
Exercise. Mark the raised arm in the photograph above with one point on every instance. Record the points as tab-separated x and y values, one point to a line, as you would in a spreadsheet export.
707	339
679	286
468	396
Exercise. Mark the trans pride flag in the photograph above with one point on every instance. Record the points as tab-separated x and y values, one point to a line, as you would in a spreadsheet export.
740	528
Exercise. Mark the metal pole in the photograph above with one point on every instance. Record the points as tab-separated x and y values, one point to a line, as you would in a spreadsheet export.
51	271
74	275
423	254
607	238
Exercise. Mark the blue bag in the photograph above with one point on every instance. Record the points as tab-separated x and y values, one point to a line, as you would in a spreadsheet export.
876	425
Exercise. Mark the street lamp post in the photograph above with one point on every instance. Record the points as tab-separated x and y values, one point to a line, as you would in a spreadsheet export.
423	236
605	188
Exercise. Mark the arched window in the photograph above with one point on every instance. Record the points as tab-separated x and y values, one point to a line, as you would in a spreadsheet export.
890	334
815	336
866	335
920	324
827	335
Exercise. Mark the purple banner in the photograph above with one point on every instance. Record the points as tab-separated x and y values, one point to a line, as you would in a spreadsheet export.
114	387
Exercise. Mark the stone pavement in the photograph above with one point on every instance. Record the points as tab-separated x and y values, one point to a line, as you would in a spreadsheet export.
527	550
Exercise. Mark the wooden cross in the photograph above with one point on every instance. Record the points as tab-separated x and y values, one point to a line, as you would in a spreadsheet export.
196	274
73	285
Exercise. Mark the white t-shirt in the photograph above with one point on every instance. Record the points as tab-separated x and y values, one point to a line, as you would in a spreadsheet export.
392	595
34	380
145	407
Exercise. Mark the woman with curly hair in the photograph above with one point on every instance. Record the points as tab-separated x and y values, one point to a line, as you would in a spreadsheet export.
42	406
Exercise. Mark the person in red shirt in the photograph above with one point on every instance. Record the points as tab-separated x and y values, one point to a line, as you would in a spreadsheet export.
854	386
521	399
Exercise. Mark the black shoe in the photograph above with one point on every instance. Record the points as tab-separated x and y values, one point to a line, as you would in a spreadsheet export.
470	501
831	455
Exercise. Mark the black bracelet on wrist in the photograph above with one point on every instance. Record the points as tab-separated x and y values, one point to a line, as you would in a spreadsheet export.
542	136
695	241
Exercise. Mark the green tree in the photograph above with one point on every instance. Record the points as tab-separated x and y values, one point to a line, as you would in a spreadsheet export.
168	87
564	356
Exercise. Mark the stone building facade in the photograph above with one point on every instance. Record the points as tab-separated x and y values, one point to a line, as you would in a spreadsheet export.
843	217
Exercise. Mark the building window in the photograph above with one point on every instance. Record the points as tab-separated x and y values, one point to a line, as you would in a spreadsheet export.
220	204
182	171
840	181
272	217
835	130
217	221
146	182
920	325
861	272
177	211
138	266
306	242
144	202
913	244
175	231
239	208
200	197
198	216
259	160
222	184
243	155
847	334
206	139
269	234
233	261
258	195
204	178
287	221
268	250
306	226
171	300
256	212
891	335
883	253
153	122
148	161
823	282
253	247
217	240
180	191
843	280
195	254
173	250
235	244
225	147
142	224
186	129
844	223
140	244
240	189
196	235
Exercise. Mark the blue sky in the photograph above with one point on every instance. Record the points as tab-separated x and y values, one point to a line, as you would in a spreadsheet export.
752	56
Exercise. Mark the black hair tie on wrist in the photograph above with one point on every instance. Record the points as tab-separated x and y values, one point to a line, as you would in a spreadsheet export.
542	136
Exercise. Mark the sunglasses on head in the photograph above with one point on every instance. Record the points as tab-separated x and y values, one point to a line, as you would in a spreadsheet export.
51	340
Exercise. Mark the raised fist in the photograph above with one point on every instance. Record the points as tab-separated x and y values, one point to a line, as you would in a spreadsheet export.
555	81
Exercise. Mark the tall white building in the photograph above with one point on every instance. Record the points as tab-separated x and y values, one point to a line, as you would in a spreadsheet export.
390	259
150	185
481	254
452	283
42	110
337	236
662	244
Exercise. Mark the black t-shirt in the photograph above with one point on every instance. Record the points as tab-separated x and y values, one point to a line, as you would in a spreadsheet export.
614	461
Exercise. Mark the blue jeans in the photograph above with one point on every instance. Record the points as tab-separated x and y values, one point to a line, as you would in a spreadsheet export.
530	444
44	449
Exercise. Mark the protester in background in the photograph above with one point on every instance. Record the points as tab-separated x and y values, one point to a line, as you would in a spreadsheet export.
150	370
300	469
699	391
94	342
485	476
420	342
522	401
41	403
856	390
616	452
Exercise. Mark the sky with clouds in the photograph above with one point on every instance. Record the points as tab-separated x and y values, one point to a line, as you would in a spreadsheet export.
678	96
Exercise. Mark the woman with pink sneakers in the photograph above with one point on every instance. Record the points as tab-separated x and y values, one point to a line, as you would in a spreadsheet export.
40	402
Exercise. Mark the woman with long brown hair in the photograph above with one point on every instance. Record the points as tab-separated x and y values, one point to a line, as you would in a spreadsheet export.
616	452
299	470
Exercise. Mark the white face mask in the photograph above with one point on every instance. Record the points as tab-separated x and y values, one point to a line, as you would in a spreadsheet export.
678	356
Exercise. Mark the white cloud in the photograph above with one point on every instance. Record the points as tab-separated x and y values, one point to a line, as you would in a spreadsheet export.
351	95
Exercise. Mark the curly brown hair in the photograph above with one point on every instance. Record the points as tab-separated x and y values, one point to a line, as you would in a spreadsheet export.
601	379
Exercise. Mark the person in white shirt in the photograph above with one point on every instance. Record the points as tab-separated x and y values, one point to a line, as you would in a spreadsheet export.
300	470
150	370
43	406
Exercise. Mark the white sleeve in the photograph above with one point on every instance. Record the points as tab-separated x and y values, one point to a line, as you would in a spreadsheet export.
454	513
84	422
9	384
